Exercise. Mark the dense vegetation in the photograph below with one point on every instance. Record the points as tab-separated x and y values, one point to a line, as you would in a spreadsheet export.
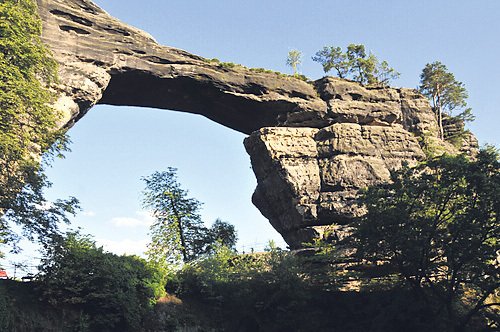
27	124
109	292
81	287
438	226
426	260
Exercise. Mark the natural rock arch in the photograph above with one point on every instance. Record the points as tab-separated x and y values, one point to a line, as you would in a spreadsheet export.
313	145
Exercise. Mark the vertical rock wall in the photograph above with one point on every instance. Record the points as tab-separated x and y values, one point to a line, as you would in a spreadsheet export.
309	178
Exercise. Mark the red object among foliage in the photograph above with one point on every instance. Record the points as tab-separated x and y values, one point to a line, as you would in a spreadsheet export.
3	274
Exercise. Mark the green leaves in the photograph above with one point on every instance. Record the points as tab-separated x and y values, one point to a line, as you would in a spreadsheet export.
437	83
356	64
27	126
331	57
294	59
115	292
178	233
438	224
446	94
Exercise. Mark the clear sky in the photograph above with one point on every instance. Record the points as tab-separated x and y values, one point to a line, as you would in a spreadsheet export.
113	147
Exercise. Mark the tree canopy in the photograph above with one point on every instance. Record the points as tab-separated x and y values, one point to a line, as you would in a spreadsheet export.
356	64
27	126
438	225
294	59
178	233
446	93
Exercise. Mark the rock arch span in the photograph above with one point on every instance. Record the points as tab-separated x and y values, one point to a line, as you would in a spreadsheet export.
312	144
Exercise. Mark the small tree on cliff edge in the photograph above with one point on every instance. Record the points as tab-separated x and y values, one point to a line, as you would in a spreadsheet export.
331	57
293	60
356	64
445	92
177	234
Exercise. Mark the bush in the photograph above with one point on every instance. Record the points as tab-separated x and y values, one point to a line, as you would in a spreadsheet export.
110	292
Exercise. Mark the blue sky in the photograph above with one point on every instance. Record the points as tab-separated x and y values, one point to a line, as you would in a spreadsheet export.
113	147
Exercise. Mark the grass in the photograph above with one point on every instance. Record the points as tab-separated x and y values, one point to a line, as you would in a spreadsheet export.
231	65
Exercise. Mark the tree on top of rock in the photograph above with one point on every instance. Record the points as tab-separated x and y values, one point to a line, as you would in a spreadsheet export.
293	60
445	92
355	64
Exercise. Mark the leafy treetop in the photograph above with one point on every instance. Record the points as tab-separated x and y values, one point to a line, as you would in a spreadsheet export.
356	64
293	60
445	92
178	233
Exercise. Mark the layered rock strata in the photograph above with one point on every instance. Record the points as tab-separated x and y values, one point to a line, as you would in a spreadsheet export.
313	145
309	178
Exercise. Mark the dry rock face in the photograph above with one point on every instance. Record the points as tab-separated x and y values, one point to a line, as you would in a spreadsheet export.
313	145
309	178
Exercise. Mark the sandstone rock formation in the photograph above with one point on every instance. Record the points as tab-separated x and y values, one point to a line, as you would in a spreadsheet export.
313	145
105	61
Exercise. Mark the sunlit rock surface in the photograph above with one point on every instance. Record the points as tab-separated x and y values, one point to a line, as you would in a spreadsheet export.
313	145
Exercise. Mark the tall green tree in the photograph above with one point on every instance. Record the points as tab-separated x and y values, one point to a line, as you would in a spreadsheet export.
27	126
294	59
178	233
355	63
445	92
438	225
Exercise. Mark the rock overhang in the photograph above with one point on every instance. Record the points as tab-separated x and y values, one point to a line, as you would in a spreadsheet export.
313	145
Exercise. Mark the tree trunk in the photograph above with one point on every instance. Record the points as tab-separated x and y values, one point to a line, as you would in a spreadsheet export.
440	124
439	112
181	232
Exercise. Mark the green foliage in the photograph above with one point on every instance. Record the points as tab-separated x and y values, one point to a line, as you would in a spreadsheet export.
446	93
178	232
21	309
281	291
355	63
438	225
331	57
228	64
27	126
5	314
245	287
294	59
111	293
431	146
221	233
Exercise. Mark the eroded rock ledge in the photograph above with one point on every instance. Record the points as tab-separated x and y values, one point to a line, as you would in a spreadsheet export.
313	145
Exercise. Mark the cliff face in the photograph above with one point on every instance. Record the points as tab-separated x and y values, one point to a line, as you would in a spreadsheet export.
308	178
313	145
